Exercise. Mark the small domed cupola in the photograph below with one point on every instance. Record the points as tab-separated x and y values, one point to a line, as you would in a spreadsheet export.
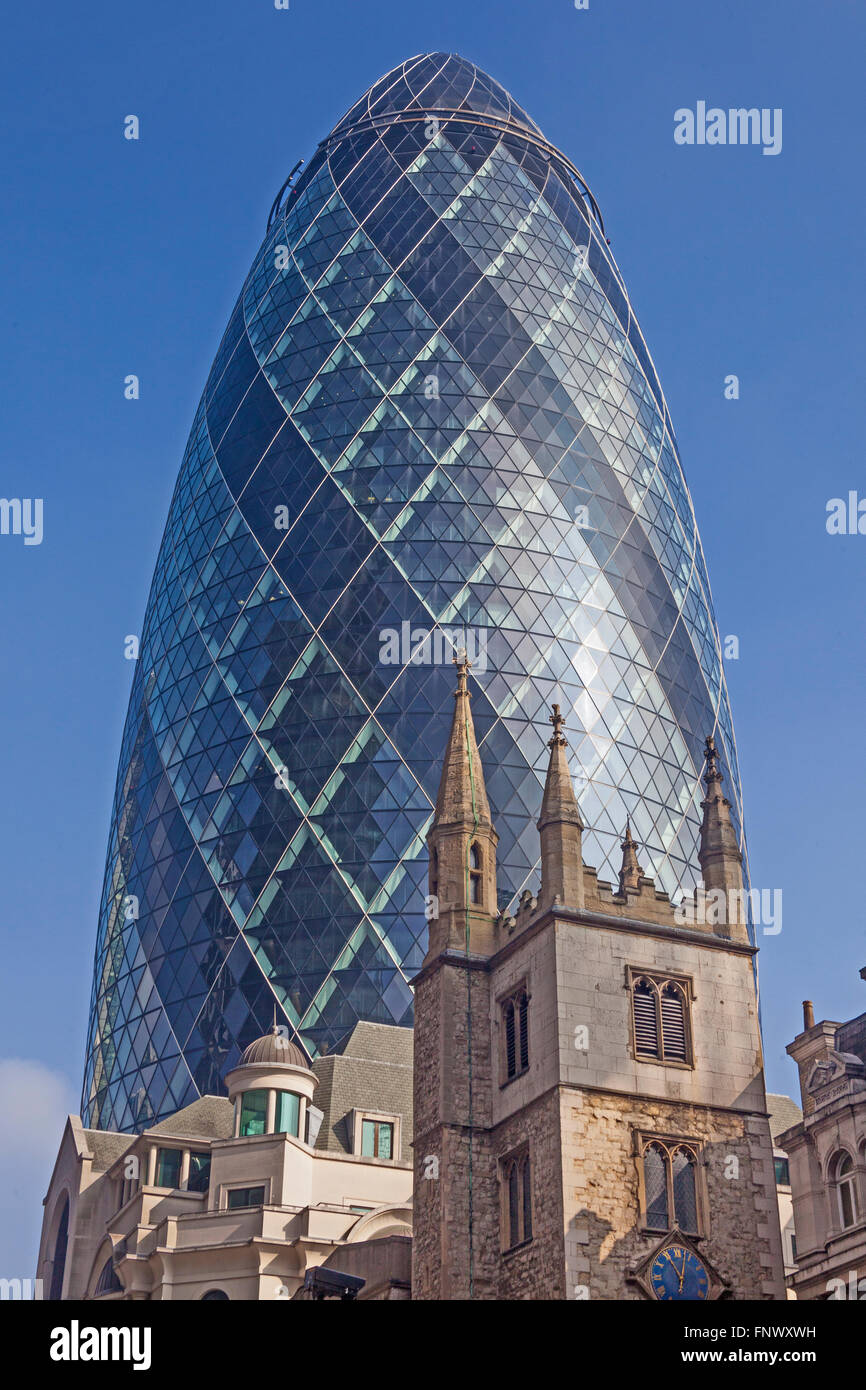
274	1049
271	1087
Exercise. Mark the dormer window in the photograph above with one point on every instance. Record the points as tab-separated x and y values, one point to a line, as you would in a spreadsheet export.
375	1135
377	1139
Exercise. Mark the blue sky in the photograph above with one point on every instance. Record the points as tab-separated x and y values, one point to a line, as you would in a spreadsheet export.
125	257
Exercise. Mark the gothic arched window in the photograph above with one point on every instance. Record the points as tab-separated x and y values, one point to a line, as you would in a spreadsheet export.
683	1169
656	1187
670	1186
516	1176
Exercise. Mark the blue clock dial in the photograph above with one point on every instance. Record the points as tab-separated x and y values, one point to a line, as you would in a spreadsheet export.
677	1274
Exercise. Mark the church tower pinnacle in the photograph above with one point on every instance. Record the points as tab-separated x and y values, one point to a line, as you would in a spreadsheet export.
631	872
720	858
461	840
561	828
719	855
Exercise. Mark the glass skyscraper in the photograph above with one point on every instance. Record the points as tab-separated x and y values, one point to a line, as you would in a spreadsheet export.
432	419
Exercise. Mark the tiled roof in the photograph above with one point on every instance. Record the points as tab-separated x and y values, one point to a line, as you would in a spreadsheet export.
784	1112
210	1117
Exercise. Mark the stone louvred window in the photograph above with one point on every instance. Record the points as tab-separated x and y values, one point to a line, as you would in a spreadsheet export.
515	1030
674	1023
660	1010
646	1027
516	1180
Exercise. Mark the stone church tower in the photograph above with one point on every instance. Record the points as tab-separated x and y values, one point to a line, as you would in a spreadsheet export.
590	1113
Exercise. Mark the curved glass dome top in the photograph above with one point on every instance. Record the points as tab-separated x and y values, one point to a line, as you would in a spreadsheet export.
434	82
432	418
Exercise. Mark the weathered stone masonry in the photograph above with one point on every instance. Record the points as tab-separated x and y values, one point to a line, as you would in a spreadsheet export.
587	1098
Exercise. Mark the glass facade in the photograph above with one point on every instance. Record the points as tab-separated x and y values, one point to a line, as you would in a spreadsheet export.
432	419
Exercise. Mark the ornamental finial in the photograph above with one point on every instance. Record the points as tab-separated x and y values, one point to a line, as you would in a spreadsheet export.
558	723
711	753
462	662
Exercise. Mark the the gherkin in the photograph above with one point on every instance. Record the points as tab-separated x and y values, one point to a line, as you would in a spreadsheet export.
432	410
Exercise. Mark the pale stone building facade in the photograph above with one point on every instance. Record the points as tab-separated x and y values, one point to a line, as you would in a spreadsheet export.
237	1197
590	1112
784	1113
827	1157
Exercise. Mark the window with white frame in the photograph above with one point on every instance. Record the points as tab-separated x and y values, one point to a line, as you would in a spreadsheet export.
376	1135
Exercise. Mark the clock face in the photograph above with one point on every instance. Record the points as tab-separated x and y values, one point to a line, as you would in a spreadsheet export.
676	1273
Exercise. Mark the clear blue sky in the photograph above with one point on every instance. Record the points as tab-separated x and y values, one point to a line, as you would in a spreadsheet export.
126	257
